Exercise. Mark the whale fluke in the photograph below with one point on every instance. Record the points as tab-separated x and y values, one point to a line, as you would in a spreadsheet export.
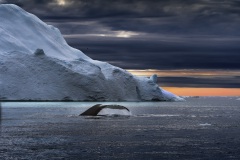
94	110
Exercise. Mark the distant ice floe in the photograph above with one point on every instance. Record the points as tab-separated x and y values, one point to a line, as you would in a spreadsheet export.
190	96
205	124
238	99
193	116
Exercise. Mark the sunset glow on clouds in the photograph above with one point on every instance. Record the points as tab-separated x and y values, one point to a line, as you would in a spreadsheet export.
196	82
184	91
186	73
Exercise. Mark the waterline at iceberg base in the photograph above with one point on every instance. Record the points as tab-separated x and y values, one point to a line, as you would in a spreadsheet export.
36	63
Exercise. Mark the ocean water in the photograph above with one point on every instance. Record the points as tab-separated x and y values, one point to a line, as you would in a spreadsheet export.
200	128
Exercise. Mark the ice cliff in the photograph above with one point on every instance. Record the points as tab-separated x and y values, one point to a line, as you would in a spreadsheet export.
36	63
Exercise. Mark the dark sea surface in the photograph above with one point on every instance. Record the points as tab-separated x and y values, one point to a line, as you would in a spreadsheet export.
200	128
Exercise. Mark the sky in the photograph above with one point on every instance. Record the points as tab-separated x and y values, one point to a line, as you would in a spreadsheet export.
190	45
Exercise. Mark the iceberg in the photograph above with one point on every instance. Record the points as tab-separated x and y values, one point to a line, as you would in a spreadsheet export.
36	63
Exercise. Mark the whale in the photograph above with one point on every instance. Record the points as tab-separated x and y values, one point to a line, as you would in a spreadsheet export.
102	110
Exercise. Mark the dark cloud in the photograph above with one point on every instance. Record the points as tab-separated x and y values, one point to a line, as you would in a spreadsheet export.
165	16
176	17
142	54
212	82
17	2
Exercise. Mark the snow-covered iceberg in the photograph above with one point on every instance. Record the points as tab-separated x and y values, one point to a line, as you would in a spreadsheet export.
36	63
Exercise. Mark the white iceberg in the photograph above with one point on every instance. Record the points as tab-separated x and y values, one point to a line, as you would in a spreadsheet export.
36	63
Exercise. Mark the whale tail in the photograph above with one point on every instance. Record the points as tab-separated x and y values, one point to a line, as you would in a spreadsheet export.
99	109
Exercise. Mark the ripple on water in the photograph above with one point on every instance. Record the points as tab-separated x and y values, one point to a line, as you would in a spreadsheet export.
158	115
